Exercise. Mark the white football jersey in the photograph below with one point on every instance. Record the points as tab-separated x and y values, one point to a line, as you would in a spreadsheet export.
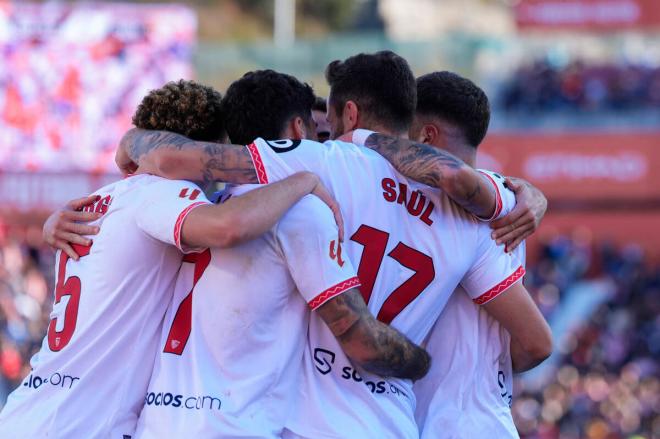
412	246
233	340
90	376
468	390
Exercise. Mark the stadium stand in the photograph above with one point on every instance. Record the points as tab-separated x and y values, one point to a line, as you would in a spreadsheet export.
580	86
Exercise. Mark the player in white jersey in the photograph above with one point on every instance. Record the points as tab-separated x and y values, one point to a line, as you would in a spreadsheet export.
468	391
232	344
91	374
412	246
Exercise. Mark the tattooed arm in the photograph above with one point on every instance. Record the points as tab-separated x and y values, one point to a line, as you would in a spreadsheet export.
437	168
174	156
376	347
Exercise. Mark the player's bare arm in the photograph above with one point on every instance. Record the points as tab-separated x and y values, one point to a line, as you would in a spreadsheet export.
243	218
376	347
437	168
238	220
531	339
524	219
176	157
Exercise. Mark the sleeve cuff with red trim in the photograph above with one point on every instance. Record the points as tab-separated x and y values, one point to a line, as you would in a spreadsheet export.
334	291
500	287
259	167
498	199
178	225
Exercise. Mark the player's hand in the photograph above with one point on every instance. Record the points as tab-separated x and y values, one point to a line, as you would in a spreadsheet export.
322	192
64	227
123	161
524	219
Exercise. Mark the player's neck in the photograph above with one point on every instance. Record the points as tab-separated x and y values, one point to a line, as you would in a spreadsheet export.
383	129
461	150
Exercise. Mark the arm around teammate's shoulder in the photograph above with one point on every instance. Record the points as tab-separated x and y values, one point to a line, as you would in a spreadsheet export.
176	157
246	217
376	347
531	338
440	169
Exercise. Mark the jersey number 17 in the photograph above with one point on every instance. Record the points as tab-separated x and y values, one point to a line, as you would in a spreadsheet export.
375	244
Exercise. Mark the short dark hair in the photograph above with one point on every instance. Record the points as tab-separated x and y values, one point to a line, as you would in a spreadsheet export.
262	102
320	104
457	100
381	84
183	107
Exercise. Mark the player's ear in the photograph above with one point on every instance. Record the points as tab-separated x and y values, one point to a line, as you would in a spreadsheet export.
430	134
298	128
295	129
350	116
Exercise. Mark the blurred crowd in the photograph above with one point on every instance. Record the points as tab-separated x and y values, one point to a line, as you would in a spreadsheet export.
543	87
605	386
72	76
26	288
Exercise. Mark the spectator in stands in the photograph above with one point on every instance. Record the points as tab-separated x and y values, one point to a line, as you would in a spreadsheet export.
543	87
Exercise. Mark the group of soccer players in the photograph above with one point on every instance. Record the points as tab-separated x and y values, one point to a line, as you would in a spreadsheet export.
365	287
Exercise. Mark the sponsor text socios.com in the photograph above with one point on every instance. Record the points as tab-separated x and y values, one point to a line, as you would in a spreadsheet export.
168	399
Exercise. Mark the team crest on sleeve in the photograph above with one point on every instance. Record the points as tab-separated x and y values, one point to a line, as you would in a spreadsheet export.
335	253
285	145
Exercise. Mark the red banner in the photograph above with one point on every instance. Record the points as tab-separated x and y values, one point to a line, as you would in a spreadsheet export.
580	167
587	14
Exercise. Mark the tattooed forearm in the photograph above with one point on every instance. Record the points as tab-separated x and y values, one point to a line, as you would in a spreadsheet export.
418	161
175	156
139	142
437	168
373	345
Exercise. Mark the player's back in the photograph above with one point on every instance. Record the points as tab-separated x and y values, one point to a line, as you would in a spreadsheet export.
412	246
468	391
232	346
89	377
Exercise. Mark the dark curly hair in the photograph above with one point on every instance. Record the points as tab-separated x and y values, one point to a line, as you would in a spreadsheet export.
381	84
457	100
183	107
262	102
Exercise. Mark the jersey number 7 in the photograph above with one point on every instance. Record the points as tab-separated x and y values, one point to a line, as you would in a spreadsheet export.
375	244
179	333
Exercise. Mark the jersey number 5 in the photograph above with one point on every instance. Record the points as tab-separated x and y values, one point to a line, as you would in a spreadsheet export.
57	340
375	244
182	323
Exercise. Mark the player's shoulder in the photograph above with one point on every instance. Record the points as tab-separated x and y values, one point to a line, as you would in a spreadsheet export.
137	190
346	148
156	185
308	208
306	216
334	147
444	206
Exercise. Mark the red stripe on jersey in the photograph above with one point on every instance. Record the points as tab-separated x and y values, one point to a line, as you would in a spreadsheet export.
498	198
179	222
258	163
501	287
334	291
